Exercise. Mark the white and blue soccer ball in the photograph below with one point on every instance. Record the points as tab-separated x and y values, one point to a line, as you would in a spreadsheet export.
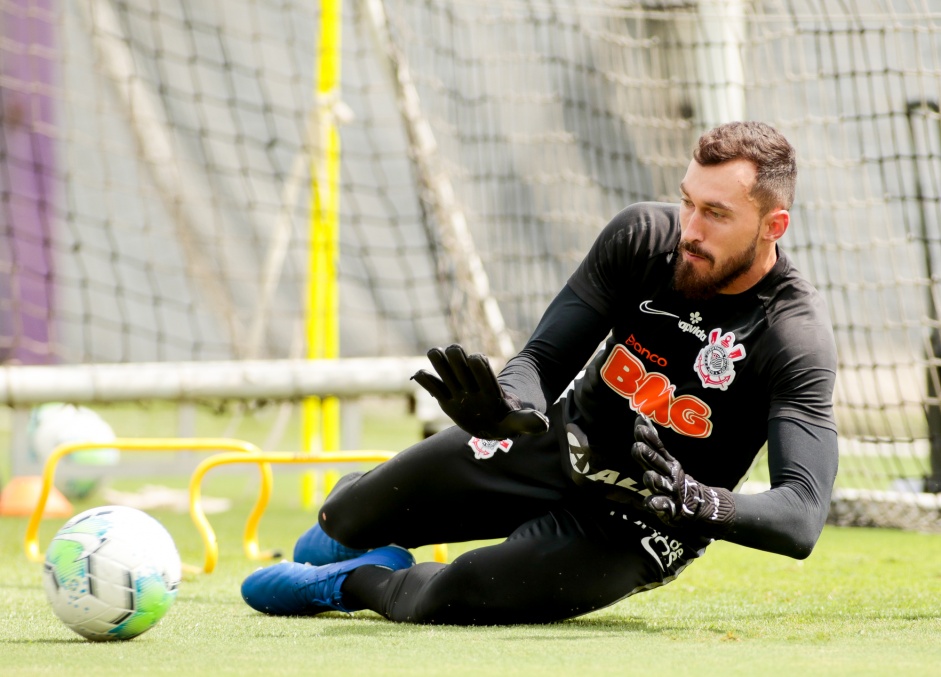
55	423
111	573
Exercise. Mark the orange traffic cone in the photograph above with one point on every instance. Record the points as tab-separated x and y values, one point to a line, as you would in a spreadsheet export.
21	495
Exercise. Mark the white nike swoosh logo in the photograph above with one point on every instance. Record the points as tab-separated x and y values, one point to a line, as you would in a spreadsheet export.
653	553
645	308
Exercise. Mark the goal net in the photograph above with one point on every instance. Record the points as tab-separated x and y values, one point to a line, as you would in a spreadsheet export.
157	162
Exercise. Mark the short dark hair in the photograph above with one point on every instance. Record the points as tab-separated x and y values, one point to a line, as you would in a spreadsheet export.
774	158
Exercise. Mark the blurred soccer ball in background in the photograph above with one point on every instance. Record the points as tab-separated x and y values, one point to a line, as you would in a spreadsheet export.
111	573
55	423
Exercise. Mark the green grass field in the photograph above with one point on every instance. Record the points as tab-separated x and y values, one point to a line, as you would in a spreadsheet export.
867	602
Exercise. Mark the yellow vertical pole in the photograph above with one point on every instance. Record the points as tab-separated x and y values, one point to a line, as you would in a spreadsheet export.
320	417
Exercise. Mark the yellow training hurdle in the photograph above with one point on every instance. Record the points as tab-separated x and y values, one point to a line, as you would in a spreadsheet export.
31	541
250	538
229	451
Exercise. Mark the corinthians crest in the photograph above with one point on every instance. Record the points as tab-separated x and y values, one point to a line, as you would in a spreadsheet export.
715	363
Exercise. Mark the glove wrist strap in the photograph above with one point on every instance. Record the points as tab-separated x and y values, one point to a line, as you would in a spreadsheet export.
716	512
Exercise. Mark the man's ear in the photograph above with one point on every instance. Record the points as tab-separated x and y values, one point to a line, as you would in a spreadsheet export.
775	224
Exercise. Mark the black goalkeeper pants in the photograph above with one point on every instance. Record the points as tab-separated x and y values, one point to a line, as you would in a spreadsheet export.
564	555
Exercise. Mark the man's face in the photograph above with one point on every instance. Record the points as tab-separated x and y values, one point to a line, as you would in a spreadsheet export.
720	227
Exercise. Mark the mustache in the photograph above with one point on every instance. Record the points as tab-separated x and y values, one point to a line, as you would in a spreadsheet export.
696	250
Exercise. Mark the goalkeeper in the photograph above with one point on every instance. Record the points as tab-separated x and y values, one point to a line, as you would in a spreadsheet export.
605	480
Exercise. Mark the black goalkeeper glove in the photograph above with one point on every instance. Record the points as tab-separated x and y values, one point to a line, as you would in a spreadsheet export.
469	393
677	499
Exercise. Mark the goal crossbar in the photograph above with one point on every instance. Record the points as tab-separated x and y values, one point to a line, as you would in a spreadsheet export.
191	381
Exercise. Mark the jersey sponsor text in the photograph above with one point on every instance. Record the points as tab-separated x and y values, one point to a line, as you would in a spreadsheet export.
652	394
645	352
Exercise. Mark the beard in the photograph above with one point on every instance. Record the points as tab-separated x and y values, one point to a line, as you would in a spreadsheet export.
700	286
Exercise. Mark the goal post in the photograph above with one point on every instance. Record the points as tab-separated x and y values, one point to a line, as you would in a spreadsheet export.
484	145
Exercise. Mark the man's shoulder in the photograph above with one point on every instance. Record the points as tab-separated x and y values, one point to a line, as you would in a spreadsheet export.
650	226
636	241
789	294
649	214
798	318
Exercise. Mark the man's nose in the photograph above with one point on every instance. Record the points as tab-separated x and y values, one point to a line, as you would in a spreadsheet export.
694	230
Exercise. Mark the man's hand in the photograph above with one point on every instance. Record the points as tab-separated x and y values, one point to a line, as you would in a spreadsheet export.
677	499
469	393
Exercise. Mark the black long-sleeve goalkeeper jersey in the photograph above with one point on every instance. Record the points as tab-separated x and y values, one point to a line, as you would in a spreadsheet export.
719	378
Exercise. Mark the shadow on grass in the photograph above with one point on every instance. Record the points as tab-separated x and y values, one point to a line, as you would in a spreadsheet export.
366	624
77	640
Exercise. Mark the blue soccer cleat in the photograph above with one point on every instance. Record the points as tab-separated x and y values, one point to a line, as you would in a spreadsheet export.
294	589
316	548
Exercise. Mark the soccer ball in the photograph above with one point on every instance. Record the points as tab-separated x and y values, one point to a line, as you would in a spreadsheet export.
55	423
111	573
